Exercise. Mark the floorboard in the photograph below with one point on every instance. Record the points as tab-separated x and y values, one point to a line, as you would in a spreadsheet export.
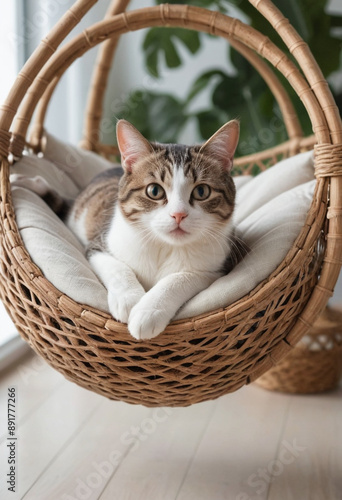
249	445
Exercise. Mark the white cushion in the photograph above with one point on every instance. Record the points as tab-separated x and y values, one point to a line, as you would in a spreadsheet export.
269	232
281	177
79	164
31	166
56	251
271	210
241	180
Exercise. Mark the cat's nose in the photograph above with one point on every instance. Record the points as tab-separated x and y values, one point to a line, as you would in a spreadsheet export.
179	216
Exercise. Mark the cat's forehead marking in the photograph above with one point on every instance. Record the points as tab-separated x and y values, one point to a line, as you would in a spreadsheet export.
178	155
180	181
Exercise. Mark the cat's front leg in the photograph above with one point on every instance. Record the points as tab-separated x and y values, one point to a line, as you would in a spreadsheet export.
151	315
124	289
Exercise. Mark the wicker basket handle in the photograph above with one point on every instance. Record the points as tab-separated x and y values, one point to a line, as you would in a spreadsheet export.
302	53
173	15
91	138
289	35
96	92
331	129
94	109
34	64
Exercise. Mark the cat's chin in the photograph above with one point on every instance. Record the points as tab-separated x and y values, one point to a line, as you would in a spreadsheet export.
177	237
178	233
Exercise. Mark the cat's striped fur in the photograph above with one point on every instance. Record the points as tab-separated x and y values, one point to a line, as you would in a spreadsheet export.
197	167
98	200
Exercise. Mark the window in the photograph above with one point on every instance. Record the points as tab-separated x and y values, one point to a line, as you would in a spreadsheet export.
11	50
11	57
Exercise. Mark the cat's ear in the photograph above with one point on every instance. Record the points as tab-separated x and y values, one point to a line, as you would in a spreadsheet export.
222	144
132	144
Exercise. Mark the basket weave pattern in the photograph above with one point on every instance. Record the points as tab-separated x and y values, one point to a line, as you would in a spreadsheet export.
210	355
205	357
315	364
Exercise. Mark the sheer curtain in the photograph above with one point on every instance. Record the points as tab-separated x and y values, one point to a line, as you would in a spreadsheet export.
11	50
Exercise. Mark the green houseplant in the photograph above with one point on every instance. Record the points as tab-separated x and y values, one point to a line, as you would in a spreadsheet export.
242	94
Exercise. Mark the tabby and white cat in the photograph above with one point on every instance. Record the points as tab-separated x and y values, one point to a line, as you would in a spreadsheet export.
163	231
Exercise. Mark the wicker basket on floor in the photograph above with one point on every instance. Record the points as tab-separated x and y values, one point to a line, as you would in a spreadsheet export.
315	364
204	357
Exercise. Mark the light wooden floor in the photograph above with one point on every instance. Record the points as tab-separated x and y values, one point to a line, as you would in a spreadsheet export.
250	445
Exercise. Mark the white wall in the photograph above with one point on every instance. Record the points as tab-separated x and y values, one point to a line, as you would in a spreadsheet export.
9	48
9	57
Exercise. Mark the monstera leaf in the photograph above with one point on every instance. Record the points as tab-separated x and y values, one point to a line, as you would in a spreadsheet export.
313	23
162	42
243	94
209	121
157	116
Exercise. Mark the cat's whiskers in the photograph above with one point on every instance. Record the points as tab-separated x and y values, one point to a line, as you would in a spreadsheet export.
221	242
237	254
204	234
264	235
145	233
238	251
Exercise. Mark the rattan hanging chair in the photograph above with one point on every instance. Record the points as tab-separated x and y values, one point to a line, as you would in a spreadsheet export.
207	356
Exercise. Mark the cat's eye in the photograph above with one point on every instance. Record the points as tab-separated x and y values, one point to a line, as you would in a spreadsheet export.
155	192
201	192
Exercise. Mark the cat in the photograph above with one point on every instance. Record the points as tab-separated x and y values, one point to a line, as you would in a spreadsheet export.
161	232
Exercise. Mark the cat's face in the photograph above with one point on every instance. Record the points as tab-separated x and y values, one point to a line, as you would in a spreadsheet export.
177	194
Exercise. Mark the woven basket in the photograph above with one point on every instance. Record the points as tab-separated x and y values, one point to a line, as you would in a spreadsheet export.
315	364
204	357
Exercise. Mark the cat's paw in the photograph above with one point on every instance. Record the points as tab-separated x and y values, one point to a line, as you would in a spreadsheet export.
121	304
147	323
